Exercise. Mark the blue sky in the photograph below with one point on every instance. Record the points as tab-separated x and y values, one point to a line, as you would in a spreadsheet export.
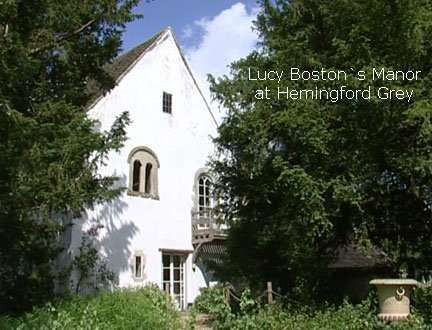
211	33
179	14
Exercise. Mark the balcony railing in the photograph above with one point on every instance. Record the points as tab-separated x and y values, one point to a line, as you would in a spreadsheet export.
205	226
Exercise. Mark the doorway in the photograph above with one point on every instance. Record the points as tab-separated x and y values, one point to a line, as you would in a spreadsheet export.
173	277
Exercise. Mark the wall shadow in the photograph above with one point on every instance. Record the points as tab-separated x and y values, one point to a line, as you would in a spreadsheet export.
115	235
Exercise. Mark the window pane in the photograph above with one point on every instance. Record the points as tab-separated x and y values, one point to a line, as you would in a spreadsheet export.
178	301
166	260
176	274
176	261
176	288
148	175
136	175
138	266
166	275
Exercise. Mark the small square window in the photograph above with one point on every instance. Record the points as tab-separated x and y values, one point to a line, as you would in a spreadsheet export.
167	102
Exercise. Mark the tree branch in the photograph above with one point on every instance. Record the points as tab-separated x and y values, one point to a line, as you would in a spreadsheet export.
63	37
6	30
82	28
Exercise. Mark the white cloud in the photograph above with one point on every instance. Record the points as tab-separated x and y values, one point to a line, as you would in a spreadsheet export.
187	32
225	38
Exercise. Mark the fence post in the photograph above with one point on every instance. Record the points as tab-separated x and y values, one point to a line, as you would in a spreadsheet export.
269	293
227	295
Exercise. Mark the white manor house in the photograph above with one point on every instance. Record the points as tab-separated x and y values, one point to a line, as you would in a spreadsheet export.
162	226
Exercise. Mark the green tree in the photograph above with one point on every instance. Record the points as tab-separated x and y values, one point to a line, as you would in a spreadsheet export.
299	177
50	50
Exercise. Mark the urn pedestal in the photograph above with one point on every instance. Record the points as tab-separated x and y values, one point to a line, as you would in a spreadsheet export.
394	298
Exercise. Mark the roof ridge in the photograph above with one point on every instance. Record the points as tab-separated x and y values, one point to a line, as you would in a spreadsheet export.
149	40
125	62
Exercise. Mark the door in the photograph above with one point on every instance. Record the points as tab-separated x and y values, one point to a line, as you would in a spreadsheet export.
173	279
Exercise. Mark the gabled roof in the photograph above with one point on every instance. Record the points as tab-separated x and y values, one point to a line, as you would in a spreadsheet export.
120	66
124	63
350	256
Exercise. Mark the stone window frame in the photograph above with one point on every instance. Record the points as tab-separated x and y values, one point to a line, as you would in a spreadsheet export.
138	254
145	156
204	171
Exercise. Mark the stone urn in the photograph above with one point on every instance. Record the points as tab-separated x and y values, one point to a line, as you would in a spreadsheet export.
394	298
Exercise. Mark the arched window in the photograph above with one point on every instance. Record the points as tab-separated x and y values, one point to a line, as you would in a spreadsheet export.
136	176
148	178
204	198
144	167
203	216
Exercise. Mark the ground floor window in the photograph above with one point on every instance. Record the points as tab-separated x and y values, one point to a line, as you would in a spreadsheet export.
138	265
173	277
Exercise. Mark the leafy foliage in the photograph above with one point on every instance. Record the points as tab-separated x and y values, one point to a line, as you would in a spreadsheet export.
50	51
298	178
422	301
145	308
346	316
253	315
211	301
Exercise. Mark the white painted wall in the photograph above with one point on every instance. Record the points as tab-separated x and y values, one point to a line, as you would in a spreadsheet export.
182	144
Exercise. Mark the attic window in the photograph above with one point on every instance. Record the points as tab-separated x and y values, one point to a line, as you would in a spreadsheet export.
167	102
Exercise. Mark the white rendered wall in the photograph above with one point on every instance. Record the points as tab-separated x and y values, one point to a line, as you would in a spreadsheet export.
182	144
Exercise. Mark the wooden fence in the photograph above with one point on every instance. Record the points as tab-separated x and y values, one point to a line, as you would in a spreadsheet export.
229	294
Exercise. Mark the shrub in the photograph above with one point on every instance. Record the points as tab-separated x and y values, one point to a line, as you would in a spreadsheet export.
251	315
422	301
346	316
211	301
144	308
